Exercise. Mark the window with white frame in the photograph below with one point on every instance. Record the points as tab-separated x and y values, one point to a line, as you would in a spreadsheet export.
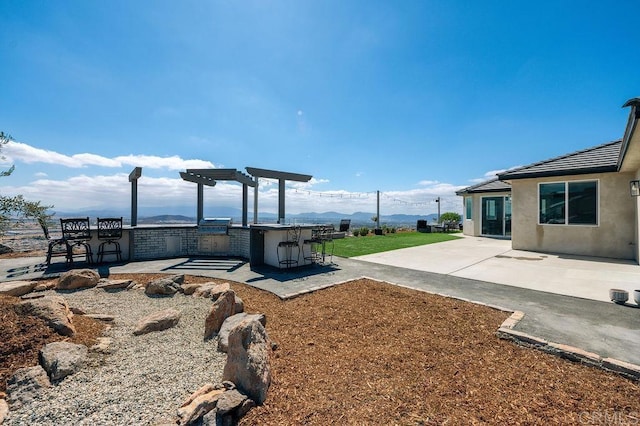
468	208
568	203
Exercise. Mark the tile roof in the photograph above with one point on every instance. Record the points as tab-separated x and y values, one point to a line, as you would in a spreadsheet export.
598	159
493	185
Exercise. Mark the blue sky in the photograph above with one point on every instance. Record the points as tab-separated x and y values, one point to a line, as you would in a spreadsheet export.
415	99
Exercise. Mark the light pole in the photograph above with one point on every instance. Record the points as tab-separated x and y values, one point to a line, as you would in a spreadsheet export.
438	201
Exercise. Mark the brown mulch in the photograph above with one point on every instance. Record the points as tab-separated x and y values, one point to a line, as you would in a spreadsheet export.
366	352
22	337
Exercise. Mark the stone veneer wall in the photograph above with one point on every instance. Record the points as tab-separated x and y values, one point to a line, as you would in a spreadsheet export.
163	242
240	242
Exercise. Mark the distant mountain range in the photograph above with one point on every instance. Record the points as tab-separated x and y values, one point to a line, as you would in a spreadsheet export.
178	215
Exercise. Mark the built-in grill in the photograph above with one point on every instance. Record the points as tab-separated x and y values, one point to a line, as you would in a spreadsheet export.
213	235
214	226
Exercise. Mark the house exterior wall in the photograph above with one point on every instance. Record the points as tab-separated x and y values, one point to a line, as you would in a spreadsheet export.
614	236
473	226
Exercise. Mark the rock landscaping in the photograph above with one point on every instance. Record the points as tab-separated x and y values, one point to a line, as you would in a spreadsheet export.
362	352
244	385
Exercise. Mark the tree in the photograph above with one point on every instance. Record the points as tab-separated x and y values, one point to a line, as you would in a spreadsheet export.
17	207
449	217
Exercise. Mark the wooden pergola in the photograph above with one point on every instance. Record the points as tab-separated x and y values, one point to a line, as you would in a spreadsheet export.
281	177
209	177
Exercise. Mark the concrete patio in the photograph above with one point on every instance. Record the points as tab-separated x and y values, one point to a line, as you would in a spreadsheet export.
493	260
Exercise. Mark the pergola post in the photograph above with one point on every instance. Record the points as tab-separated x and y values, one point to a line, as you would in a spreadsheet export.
244	204
281	201
133	178
200	203
255	200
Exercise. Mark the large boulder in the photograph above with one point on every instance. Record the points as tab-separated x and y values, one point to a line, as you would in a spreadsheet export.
60	359
53	309
199	403
25	383
233	321
221	309
248	363
212	290
78	278
157	321
114	284
17	288
165	286
189	289
230	408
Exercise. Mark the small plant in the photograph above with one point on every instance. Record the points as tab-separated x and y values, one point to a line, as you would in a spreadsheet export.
356	232
364	231
392	230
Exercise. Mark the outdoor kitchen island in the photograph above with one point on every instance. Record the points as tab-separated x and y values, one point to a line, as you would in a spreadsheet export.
266	249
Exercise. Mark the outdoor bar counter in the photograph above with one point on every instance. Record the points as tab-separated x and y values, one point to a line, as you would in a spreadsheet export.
265	239
257	243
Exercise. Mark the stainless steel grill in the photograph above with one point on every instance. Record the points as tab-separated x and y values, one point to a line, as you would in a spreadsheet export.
214	226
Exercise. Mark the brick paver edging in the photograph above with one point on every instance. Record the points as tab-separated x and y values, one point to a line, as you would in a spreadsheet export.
506	331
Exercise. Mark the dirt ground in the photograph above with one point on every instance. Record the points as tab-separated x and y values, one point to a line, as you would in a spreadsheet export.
366	352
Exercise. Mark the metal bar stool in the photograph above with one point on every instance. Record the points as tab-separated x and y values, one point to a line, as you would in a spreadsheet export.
287	246
314	255
109	232
326	238
77	233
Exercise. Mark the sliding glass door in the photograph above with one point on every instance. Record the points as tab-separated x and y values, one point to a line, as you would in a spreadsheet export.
496	216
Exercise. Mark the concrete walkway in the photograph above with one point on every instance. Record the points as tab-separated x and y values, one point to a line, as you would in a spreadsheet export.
602	327
493	260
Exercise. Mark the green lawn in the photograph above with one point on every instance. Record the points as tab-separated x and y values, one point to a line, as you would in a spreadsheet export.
358	246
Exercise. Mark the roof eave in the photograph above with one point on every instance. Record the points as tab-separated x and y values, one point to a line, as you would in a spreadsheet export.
634	115
480	191
585	171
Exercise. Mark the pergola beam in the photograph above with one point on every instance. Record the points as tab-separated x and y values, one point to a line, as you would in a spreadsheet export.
274	174
223	174
196	178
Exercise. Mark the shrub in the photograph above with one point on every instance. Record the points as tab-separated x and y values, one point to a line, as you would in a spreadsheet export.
364	231
356	232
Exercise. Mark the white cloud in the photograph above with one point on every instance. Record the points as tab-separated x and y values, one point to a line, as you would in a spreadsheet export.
170	163
491	174
17	151
113	191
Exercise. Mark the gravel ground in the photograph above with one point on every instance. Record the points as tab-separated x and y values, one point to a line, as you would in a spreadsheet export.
144	379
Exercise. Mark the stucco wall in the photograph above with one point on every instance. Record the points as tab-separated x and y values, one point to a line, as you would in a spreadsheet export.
614	236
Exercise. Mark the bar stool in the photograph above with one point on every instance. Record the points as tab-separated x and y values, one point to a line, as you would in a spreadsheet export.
314	244
76	232
326	239
287	246
109	232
